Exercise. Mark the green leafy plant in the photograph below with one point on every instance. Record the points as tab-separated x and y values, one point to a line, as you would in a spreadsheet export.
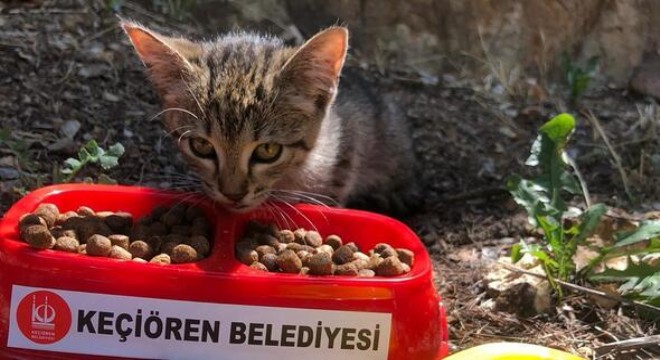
578	78
92	153
544	199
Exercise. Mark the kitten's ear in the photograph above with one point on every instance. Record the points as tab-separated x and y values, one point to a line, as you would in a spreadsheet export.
317	64
168	59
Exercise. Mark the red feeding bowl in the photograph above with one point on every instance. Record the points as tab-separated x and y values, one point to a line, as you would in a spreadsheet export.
57	305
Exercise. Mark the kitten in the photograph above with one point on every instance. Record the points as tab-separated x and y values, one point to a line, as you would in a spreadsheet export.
259	120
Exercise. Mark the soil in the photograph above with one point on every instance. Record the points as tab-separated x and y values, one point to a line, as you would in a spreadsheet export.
68	75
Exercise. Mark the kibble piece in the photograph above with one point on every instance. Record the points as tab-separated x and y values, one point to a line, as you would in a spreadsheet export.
140	232
313	238
194	212
67	244
299	236
86	228
58	232
201	224
104	214
141	249
281	247
374	261
304	270
183	253
358	255
259	266
286	236
304	257
103	229
360	263
48	212
85	211
390	266
139	260
118	252
324	248
245	252
267	239
65	216
164	259
155	242
38	237
343	255
30	219
157	212
158	228
119	222
168	246
200	244
264	249
120	240
366	273
385	250
82	249
294	246
172	218
289	262
98	245
353	246
270	261
183	230
321	264
348	269
334	241
406	256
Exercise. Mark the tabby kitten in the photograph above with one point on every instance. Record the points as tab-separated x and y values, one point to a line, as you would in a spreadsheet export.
259	120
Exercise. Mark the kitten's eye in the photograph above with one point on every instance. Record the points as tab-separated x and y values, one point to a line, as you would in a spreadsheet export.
267	153
202	148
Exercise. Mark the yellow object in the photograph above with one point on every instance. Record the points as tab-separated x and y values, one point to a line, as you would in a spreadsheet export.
512	351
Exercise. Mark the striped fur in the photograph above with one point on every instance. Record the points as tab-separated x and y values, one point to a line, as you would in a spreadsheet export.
242	90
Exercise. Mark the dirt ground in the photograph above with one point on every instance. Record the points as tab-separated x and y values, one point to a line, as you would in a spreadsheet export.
67	75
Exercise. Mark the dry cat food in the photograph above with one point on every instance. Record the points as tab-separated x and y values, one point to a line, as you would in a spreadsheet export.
267	248
178	234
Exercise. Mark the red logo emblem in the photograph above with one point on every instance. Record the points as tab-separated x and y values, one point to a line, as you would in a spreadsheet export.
43	317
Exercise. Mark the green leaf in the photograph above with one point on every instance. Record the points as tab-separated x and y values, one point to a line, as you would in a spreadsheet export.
72	163
116	150
641	280
589	220
108	162
647	229
559	128
528	195
516	253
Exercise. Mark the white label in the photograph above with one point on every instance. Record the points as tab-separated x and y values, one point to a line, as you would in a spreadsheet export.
149	328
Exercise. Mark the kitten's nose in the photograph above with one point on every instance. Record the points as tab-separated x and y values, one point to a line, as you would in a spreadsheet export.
235	197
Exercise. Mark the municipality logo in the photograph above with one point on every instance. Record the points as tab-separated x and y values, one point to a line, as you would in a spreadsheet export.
43	317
